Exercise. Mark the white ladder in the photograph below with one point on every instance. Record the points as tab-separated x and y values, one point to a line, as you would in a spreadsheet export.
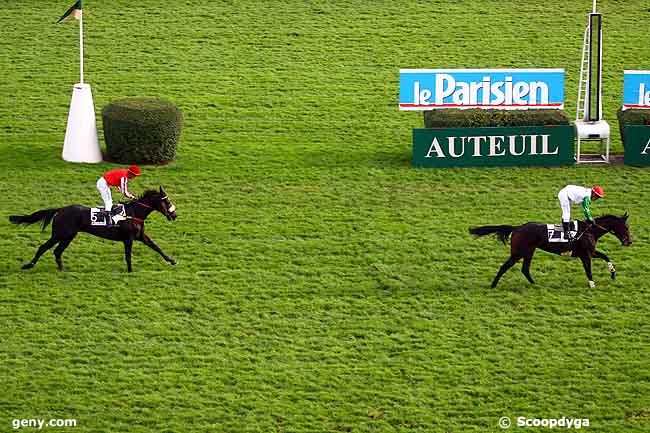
582	85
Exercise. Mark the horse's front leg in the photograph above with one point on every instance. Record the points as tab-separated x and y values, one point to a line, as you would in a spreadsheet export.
610	265
148	242
586	263
128	246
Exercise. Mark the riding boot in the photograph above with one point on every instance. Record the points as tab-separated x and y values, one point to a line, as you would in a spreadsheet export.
112	214
108	219
566	226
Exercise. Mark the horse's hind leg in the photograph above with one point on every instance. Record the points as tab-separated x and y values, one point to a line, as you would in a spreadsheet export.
507	265
525	269
58	251
41	250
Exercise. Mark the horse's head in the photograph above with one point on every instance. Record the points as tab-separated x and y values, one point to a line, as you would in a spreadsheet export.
617	226
167	208
159	200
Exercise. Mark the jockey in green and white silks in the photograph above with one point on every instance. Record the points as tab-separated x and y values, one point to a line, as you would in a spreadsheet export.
577	195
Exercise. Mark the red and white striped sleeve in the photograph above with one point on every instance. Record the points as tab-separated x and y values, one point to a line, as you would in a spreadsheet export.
124	181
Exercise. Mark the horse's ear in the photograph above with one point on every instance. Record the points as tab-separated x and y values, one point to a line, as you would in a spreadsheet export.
162	191
625	216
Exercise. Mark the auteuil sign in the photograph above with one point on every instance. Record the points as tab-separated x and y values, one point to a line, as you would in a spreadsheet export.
636	140
463	147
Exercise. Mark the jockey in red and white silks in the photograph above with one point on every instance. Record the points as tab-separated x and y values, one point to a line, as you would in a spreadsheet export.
118	178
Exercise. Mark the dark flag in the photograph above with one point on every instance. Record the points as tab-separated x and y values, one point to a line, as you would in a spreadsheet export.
75	11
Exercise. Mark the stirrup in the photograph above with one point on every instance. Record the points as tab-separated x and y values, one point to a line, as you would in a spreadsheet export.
117	218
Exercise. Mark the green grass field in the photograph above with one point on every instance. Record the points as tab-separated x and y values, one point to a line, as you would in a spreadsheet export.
323	284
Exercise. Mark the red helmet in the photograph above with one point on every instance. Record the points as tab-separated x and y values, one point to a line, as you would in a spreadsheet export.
135	170
599	191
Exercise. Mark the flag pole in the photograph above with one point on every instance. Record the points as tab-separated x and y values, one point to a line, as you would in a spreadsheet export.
81	143
81	46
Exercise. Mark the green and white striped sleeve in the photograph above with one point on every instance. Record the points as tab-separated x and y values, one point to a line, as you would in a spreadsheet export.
585	208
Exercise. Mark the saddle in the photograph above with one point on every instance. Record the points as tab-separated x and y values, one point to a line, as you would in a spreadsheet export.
101	217
556	232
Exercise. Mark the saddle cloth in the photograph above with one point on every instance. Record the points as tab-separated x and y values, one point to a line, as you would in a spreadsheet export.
556	232
99	217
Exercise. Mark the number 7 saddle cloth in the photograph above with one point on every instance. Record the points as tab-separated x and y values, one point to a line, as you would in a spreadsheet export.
556	232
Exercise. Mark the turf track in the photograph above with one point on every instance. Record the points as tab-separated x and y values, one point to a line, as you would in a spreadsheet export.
324	284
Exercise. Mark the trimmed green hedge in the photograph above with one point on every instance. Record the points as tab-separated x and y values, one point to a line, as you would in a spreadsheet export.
141	130
631	117
476	117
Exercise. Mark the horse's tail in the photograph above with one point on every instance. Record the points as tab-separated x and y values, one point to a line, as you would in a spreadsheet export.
502	232
44	215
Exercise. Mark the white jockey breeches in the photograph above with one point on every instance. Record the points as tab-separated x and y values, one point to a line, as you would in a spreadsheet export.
565	204
105	192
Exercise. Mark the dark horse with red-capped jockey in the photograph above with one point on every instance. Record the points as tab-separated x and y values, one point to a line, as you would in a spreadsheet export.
525	239
70	220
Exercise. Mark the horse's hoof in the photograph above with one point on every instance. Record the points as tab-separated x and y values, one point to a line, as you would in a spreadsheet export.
27	265
173	262
592	284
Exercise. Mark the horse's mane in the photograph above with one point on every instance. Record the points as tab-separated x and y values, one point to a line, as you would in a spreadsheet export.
149	194
609	217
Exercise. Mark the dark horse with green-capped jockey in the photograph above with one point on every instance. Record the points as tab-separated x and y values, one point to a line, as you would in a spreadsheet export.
70	220
525	239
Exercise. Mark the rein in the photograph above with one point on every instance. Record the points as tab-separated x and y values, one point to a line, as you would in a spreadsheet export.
597	225
136	219
143	205
140	220
602	228
146	205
